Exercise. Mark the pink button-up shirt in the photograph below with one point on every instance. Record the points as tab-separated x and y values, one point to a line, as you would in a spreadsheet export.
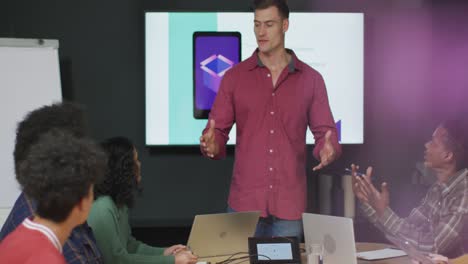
270	159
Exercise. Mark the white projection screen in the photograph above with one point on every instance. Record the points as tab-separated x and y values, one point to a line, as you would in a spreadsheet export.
332	43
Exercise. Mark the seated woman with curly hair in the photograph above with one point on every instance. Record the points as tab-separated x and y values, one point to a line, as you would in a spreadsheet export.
109	214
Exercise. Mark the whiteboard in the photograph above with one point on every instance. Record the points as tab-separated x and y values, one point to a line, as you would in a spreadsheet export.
29	78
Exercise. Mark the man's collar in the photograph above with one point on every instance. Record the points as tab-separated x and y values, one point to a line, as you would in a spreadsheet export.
453	181
293	65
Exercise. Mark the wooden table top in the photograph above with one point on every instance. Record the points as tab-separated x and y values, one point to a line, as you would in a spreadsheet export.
359	246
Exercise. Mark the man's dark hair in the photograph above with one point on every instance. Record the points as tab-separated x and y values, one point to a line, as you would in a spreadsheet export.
120	180
457	140
58	172
65	116
282	6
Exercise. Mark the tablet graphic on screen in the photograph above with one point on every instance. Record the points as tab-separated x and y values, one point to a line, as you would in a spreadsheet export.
214	53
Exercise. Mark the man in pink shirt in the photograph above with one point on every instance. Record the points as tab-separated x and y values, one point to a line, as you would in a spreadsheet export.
272	97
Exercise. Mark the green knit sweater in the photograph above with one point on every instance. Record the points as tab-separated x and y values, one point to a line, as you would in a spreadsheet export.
114	239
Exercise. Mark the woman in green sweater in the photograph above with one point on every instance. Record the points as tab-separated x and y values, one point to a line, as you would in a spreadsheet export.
109	215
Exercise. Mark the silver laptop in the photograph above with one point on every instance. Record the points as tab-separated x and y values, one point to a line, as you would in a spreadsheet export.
336	234
222	234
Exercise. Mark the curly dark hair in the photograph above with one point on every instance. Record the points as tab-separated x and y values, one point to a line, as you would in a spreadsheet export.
282	6
66	116
457	140
120	181
58	172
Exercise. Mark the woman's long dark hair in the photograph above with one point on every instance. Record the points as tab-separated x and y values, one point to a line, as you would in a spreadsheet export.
120	181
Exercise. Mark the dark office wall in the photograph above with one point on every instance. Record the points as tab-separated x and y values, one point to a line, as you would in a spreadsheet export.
4	7
102	59
450	57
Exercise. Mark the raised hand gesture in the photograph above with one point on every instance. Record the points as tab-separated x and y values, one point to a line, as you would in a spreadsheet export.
367	193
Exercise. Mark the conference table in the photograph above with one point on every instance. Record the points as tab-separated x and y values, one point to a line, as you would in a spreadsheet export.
360	247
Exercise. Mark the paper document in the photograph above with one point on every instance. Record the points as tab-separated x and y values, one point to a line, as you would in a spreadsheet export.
381	254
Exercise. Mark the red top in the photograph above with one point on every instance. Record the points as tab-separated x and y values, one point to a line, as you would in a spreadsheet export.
270	166
31	244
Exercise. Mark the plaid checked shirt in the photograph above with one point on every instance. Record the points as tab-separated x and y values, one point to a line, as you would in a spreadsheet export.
80	248
437	225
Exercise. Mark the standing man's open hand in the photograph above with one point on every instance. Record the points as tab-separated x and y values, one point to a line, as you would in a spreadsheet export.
208	141
327	153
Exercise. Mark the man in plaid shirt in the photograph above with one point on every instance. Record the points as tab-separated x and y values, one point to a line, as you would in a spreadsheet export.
439	223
